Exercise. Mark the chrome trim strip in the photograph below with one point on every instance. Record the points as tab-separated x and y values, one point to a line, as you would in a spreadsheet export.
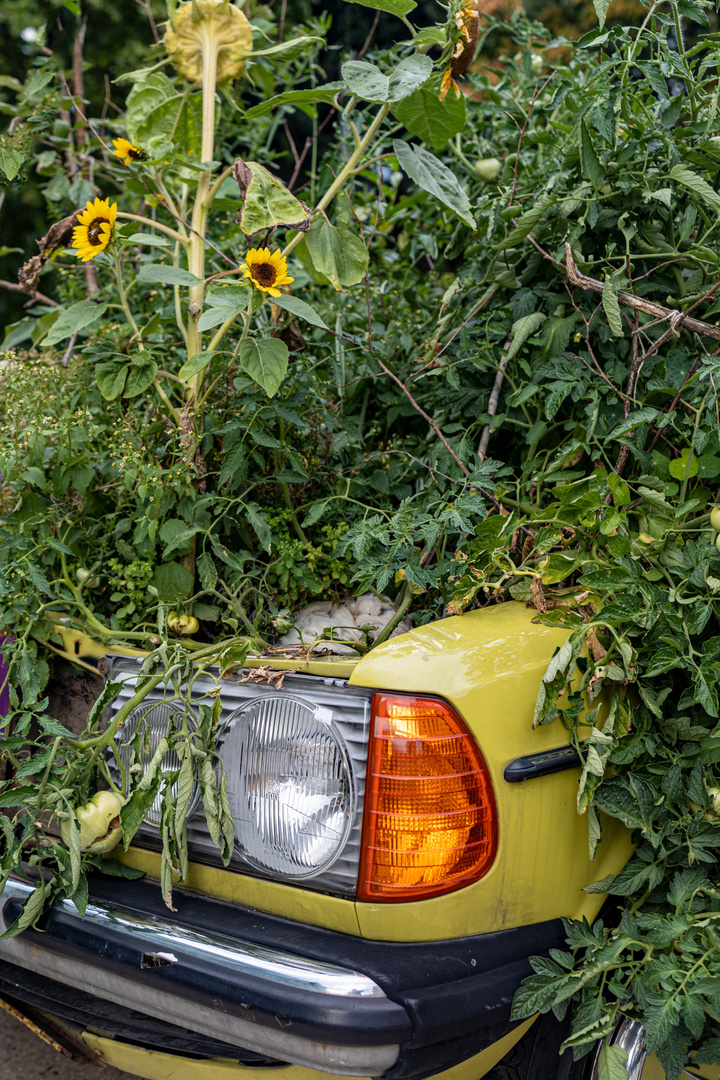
630	1036
161	936
242	957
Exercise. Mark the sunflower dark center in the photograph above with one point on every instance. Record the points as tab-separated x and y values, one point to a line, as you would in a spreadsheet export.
93	231
263	273
134	153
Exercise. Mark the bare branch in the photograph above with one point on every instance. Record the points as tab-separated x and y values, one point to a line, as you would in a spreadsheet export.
494	399
36	296
676	317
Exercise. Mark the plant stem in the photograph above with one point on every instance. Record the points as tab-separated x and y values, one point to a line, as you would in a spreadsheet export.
123	300
154	225
686	478
196	245
397	617
101	741
344	174
218	184
168	403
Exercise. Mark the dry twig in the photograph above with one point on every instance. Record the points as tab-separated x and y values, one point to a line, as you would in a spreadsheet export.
677	318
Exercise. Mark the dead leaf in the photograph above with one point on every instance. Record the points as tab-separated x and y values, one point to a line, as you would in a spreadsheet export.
597	651
538	594
58	236
528	545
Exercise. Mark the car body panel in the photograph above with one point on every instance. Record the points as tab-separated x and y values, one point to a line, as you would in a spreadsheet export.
288	901
488	664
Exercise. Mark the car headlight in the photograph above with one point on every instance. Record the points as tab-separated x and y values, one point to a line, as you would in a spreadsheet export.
290	786
157	721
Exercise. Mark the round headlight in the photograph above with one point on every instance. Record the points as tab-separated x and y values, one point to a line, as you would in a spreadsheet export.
157	721
290	786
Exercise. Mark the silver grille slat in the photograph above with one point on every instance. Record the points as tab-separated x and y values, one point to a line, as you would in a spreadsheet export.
350	709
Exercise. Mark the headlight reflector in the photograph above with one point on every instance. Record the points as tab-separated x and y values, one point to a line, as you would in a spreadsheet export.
290	786
158	720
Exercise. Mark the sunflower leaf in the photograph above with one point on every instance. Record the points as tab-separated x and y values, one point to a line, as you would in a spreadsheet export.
267	203
149	239
198	362
75	318
303	99
214	316
141	375
395	7
365	80
337	254
162	274
287	50
432	120
368	82
298	307
434	177
266	361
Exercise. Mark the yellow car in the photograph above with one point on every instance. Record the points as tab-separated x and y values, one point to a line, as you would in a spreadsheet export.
404	842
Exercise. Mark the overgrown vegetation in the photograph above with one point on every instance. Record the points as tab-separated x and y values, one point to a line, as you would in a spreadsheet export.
529	272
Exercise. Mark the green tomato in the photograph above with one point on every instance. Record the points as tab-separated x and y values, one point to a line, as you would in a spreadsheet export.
487	168
99	821
715	518
86	579
717	541
713	813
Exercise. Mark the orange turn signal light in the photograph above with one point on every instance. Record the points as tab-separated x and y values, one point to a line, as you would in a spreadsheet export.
430	823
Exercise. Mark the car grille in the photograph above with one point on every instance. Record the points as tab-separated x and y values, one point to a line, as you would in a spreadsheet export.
350	708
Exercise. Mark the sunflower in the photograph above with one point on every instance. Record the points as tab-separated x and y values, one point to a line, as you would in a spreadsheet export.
266	270
200	26
463	39
94	229
128	153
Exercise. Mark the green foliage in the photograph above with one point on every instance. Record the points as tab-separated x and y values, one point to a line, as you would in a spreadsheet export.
237	475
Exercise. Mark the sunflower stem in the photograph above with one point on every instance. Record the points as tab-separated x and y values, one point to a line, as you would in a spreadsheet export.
196	245
220	334
123	300
344	174
168	403
153	225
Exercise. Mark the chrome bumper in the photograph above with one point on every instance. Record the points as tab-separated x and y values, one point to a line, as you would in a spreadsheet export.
162	949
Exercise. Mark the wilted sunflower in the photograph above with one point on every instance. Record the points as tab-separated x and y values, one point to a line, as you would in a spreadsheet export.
128	153
201	27
462	45
94	230
266	270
